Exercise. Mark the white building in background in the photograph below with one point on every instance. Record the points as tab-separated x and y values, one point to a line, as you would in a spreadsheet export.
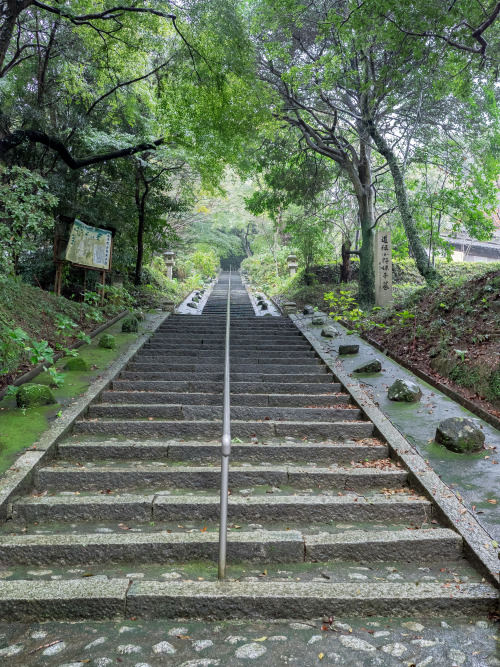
466	249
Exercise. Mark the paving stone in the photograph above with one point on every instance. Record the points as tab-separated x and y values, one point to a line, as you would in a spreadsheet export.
164	648
54	649
250	651
201	644
127	649
396	650
9	651
355	643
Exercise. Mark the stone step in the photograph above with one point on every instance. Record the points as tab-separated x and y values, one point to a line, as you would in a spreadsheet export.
79	599
161	366
213	412
293	509
241	347
284	337
277	400
194	386
299	600
122	476
343	430
202	358
258	546
311	378
144	450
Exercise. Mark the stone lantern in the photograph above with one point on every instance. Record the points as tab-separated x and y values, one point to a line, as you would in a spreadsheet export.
292	264
169	261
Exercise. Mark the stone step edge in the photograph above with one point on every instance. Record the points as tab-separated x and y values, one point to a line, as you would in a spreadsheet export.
439	544
123	598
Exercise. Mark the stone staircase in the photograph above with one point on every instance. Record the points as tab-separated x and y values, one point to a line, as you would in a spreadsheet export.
123	522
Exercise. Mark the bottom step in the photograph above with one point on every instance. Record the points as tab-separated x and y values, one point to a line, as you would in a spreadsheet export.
91	599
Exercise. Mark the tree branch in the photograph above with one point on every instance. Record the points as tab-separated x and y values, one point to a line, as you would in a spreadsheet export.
10	141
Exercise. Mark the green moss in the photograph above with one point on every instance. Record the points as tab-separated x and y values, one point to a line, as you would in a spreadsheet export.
494	385
76	364
130	325
465	376
107	341
45	378
34	396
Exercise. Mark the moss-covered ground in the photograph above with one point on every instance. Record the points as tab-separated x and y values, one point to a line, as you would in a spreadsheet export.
21	428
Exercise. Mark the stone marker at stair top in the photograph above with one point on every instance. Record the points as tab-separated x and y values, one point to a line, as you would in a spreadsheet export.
460	434
308	310
404	391
383	268
371	366
348	349
329	331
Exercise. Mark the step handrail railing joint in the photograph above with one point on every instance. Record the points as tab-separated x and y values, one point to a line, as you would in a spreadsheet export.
226	445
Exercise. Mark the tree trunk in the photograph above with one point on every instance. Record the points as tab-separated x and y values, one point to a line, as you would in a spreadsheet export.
345	269
9	17
140	204
417	248
367	252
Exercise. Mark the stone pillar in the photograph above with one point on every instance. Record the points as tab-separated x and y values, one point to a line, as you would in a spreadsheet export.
292	264
383	268
168	306
169	261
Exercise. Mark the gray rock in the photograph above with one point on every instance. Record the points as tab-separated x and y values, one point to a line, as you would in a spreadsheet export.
308	310
348	349
460	434
371	366
319	319
263	305
404	391
329	331
191	304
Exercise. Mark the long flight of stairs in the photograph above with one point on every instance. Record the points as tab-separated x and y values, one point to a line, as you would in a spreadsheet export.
123	522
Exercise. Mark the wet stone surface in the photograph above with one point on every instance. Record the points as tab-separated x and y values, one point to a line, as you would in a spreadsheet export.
355	643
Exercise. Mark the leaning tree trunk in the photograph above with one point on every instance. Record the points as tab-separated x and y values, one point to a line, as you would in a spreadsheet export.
417	248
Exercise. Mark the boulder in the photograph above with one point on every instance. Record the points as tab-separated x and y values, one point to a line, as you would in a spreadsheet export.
348	349
130	325
191	304
319	319
34	395
329	331
371	366
460	434
107	341
404	391
76	364
308	310
263	305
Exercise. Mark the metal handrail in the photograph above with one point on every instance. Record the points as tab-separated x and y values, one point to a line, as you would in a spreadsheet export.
226	445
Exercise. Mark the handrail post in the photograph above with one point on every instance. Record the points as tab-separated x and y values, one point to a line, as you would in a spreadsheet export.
226	445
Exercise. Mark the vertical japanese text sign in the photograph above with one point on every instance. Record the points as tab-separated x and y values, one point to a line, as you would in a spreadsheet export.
383	268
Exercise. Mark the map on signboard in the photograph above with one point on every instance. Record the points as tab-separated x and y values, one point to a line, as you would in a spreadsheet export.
89	246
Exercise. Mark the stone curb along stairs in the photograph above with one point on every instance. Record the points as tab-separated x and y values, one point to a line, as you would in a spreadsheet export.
324	507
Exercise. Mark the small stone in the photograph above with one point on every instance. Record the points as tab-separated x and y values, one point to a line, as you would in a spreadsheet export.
404	391
329	331
39	573
460	434
263	305
96	642
72	664
250	651
234	639
342	626
192	304
76	364
125	628
135	575
315	638
318	319
172	575
381	633
130	325
308	310
348	349
165	648
54	649
482	624
200	663
107	341
357	575
395	650
457	656
39	634
142	664
425	662
371	366
103	662
424	643
127	649
34	396
9	651
444	624
201	644
358	644
414	627
278	638
177	631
